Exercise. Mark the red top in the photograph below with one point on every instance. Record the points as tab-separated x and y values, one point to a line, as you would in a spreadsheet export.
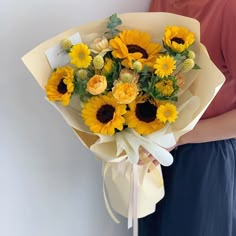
218	34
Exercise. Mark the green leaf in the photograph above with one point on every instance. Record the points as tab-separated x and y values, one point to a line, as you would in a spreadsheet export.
113	22
178	56
196	67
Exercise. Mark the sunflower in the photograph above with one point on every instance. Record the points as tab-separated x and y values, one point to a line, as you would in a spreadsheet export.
60	85
167	112
142	116
80	55
164	65
178	38
132	45
103	115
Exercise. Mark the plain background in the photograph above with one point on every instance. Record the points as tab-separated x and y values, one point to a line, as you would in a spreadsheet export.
50	185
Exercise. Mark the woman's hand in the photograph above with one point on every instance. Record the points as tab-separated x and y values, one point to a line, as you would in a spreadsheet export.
144	152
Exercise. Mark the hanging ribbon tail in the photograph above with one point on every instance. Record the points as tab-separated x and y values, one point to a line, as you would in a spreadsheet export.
135	200
105	168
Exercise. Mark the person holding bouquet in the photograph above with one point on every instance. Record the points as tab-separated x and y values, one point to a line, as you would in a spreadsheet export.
200	186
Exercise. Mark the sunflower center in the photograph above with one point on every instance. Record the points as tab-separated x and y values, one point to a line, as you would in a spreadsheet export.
177	40
62	87
105	113
132	48
146	111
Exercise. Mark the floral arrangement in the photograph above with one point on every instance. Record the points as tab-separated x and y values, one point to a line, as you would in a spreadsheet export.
124	79
126	88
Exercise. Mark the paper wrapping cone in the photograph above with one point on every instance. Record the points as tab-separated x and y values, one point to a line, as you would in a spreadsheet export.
203	84
150	189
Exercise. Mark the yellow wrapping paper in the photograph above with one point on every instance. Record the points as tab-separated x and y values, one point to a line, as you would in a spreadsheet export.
200	88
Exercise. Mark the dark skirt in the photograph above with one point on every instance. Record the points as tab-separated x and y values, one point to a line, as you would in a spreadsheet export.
200	198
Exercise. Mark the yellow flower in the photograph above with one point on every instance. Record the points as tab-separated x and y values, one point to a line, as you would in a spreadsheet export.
97	84
82	74
167	112
107	66
141	116
187	65
103	115
66	44
178	38
191	54
125	93
60	85
80	55
165	65
137	65
98	62
128	76
132	45
165	87
100	46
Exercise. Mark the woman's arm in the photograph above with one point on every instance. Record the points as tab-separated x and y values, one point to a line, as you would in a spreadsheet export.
212	129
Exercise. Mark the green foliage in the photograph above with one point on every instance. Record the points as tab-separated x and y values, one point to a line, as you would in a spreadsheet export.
113	22
80	86
196	67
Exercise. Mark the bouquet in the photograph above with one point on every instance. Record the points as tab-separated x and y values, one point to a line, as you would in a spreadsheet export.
124	87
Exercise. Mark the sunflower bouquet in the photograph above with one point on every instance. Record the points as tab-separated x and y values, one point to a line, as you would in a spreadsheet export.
124	79
121	87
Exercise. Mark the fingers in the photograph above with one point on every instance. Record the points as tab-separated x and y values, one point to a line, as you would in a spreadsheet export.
143	151
140	162
154	161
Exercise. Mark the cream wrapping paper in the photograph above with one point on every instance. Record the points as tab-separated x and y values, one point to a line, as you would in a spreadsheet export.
200	88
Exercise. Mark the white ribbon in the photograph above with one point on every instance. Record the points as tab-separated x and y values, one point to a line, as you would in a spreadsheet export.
105	168
126	144
133	202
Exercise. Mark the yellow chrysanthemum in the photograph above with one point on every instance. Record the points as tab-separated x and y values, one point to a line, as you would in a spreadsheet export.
125	93
178	38
165	87
132	45
60	85
164	65
80	55
167	112
103	115
142	116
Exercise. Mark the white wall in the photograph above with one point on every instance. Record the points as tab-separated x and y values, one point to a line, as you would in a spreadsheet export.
50	185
